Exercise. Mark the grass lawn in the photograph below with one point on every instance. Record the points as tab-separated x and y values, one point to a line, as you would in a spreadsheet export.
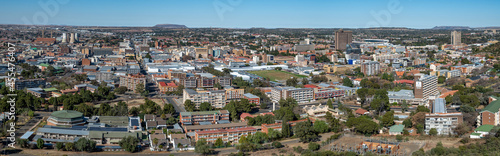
276	75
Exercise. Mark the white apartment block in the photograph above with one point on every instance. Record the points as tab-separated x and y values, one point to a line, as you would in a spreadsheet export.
217	98
302	95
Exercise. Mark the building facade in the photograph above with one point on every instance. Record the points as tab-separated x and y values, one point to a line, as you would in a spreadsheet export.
215	97
342	38
194	118
132	80
370	68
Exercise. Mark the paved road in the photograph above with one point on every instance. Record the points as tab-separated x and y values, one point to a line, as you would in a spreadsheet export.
38	116
178	106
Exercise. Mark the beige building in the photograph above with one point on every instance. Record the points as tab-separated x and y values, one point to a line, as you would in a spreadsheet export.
456	38
215	97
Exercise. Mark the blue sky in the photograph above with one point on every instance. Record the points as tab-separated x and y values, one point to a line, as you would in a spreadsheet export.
254	13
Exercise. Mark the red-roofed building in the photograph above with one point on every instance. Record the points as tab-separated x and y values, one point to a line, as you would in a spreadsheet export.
407	82
227	135
310	86
244	115
167	87
361	111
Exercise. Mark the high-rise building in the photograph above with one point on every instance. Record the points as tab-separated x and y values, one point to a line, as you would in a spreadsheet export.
72	38
456	38
370	68
64	38
425	86
342	38
76	37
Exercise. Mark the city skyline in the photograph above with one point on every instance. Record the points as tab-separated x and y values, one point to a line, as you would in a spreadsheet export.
248	14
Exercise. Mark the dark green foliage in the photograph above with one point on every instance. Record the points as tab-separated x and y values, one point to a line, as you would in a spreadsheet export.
202	147
189	106
205	106
305	131
388	119
362	125
59	146
40	143
259	120
129	143
313	146
321	127
347	82
277	144
84	144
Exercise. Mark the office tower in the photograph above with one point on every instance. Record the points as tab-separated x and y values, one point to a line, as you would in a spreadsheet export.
72	38
456	38
425	86
342	38
76	37
64	38
370	68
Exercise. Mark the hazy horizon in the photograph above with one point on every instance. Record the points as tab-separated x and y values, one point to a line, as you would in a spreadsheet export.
245	14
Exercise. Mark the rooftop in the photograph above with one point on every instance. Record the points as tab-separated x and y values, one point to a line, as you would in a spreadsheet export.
484	128
67	114
494	106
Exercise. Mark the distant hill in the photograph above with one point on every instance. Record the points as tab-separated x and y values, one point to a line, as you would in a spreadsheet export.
451	27
170	26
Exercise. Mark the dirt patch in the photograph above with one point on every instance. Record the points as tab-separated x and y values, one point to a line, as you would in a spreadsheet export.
137	102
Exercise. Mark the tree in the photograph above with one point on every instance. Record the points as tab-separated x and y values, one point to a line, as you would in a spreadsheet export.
292	81
329	103
40	143
362	125
407	122
84	144
305	81
205	106
423	109
461	129
219	142
129	143
189	105
69	146
347	82
441	79
277	144
305	131
388	119
121	90
202	147
168	109
399	138
418	118
23	143
285	129
433	132
59	146
155	141
313	146
321	127
273	134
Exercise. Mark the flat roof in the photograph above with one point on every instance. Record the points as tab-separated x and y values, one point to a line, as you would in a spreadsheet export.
216	126
226	130
67	114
